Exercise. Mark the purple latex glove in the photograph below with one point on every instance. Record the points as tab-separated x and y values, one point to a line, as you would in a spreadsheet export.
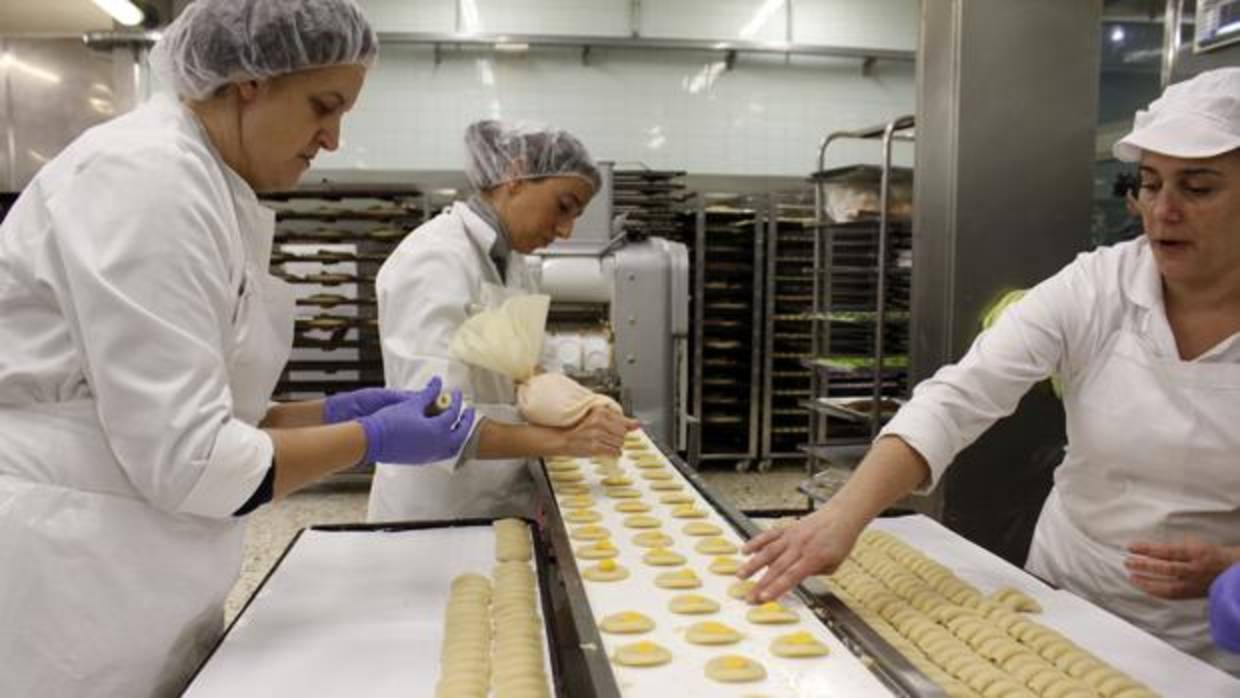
1225	609
343	407
402	433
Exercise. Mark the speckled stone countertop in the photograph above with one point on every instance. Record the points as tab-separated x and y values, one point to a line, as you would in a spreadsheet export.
272	527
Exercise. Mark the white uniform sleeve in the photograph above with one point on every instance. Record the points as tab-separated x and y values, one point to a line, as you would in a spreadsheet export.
145	247
423	297
1041	334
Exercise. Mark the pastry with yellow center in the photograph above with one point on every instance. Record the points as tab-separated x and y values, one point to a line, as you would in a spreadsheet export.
570	488
622	493
626	623
662	557
616	481
652	539
632	506
605	571
740	590
711	632
701	528
692	605
733	668
577	501
679	579
590	532
642	521
715	546
771	613
666	486
676	498
725	565
643	653
688	511
582	516
566	476
798	644
654	475
598	551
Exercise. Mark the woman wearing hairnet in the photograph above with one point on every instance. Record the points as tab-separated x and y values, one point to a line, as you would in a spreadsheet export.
532	185
141	341
1145	334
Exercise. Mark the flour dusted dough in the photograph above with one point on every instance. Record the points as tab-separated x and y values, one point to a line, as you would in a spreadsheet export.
626	623
512	541
616	481
622	493
577	501
692	604
642	654
555	400
582	516
631	506
589	532
662	557
688	511
570	488
679	579
715	546
666	486
711	632
676	498
642	521
653	539
656	475
798	644
733	668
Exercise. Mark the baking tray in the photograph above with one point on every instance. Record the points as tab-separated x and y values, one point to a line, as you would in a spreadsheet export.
355	610
847	636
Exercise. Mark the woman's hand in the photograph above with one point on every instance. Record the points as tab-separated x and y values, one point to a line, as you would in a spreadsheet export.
600	433
816	544
1177	570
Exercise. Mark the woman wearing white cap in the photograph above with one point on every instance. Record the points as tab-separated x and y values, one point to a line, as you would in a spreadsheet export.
141	341
532	183
1145	510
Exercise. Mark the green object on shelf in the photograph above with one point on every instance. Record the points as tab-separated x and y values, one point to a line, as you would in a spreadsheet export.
866	316
992	315
860	362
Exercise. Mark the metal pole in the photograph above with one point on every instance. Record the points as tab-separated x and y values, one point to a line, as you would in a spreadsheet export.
880	301
1172	19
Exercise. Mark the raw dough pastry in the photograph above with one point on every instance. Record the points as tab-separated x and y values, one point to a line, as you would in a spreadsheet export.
616	481
560	466
666	486
692	604
662	557
566	476
654	475
626	623
733	668
512	540
688	511
582	516
740	590
590	532
605	571
570	488
725	565
577	501
653	539
711	632
555	400
652	463
642	654
771	613
798	644
679	579
715	546
701	528
1016	600
597	551
630	506
676	498
642	521
622	493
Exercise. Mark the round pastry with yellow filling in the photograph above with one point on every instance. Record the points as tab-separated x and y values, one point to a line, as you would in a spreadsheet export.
715	546
733	668
741	589
701	528
666	486
688	511
653	475
712	633
798	644
643	653
692	605
676	498
605	571
725	565
652	539
626	623
598	551
566	476
617	481
576	501
642	521
569	488
590	532
622	493
632	506
678	579
662	557
771	613
582	516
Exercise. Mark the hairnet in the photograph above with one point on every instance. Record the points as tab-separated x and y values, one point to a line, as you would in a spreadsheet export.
216	42
500	152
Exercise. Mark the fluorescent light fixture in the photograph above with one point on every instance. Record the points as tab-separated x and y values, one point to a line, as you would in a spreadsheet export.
123	11
760	18
469	19
511	47
1230	28
8	60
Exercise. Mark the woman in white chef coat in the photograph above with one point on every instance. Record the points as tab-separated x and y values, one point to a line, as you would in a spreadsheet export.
1145	335
141	341
532	183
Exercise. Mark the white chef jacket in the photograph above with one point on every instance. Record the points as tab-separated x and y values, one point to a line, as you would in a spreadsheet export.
435	279
1153	441
141	340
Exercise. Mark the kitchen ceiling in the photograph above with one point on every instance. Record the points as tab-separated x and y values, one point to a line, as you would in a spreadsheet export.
43	17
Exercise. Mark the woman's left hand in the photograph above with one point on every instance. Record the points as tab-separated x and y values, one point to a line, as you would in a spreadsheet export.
1177	570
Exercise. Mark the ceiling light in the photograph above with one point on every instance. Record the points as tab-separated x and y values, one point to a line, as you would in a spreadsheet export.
123	11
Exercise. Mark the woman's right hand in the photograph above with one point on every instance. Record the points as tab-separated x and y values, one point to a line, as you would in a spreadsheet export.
816	544
600	433
403	433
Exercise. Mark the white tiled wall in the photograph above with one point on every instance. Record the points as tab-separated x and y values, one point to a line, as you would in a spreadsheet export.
666	109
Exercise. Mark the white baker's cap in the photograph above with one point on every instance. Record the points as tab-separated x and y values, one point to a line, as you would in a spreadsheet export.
1197	118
